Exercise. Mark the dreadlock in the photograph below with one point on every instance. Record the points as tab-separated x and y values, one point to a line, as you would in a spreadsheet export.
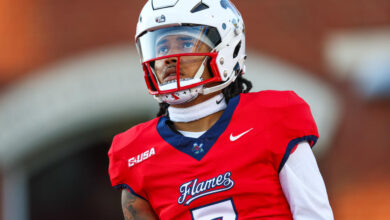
163	109
240	85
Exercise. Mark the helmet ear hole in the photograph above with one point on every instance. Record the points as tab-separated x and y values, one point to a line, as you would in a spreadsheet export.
236	68
236	50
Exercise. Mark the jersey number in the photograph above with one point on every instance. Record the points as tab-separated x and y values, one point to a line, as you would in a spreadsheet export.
221	210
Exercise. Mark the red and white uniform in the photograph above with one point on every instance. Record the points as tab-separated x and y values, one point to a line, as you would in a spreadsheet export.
230	172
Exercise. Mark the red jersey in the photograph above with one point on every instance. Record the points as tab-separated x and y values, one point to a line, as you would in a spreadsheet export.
230	172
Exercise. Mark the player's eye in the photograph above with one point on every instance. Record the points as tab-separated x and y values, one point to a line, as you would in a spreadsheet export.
188	44
162	50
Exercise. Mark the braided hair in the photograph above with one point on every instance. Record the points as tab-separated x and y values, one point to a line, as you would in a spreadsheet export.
240	85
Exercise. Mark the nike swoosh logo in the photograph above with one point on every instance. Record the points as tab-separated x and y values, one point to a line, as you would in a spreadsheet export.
234	138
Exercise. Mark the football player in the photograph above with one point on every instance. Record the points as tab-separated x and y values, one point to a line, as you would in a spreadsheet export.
215	151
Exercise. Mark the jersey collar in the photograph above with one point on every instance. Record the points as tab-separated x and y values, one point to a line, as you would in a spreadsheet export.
197	147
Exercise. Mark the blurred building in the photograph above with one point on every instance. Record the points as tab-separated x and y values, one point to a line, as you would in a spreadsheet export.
70	79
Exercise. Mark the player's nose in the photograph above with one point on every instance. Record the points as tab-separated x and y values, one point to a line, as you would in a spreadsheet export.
171	60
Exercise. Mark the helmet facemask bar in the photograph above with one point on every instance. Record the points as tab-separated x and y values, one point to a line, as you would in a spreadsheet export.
192	78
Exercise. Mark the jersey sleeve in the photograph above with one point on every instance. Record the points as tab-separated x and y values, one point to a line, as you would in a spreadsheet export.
296	125
121	176
116	165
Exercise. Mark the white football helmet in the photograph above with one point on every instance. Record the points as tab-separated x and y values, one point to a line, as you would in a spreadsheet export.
185	44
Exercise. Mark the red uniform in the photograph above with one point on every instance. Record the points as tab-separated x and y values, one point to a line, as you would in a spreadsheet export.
230	172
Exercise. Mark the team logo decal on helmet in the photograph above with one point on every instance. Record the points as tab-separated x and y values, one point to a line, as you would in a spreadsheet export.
190	47
160	19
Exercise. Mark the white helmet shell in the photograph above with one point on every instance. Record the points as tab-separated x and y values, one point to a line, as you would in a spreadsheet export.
219	14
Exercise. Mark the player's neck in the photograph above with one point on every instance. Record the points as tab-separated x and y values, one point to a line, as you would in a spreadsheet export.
198	115
202	124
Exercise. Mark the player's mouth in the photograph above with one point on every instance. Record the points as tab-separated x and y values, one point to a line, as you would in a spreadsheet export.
170	75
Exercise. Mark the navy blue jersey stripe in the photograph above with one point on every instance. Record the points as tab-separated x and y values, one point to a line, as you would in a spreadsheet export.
125	186
310	138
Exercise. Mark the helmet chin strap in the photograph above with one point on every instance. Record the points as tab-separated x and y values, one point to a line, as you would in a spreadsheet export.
200	71
180	97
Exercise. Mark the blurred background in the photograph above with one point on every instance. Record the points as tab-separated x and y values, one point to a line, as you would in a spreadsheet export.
70	79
